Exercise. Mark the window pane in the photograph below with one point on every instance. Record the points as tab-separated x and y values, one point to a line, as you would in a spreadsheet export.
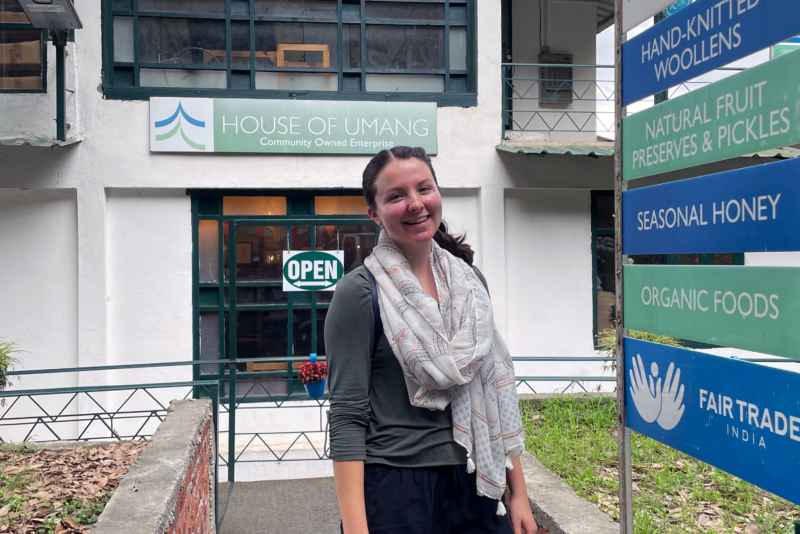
405	47
722	259
11	11
458	49
182	41
688	259
605	212
281	44
251	296
356	205
302	332
606	282
254	206
240	43
183	6
351	39
208	241
321	315
260	334
197	79
301	238
403	11
209	341
20	59
393	83
296	8
297	81
259	253
123	39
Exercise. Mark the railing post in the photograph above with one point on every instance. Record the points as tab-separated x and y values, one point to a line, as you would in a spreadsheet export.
214	394
231	421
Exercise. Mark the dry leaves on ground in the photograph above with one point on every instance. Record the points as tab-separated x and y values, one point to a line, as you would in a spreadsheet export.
60	490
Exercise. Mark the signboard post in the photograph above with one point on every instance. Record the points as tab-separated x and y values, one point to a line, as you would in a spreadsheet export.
312	270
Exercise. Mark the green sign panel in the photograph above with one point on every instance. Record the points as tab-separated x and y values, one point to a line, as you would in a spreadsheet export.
785	48
289	126
754	110
312	270
751	308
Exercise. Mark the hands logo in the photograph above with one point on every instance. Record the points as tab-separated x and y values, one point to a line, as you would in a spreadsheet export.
180	113
652	402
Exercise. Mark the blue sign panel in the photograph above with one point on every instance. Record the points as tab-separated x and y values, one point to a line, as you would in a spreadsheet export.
677	6
702	37
756	209
743	418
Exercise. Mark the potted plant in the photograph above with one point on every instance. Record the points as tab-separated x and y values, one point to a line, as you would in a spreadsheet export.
7	362
313	376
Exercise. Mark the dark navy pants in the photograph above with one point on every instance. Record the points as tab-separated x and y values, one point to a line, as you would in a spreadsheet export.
428	500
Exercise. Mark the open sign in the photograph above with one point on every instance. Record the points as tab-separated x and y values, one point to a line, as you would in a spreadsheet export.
314	270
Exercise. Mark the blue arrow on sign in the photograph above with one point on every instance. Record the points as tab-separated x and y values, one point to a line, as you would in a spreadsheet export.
743	418
755	209
701	37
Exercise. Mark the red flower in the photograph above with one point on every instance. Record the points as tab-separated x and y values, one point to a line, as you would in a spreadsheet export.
313	372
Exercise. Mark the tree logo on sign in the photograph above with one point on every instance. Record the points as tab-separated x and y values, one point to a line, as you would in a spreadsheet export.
654	403
312	270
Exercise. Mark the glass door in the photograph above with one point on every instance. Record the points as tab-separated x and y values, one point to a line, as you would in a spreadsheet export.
265	323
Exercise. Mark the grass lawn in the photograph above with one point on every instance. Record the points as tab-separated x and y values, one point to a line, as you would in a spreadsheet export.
673	492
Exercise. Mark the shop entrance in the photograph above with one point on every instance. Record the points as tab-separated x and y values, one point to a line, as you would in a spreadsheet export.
242	312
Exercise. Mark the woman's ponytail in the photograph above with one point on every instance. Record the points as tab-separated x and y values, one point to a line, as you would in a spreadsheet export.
455	245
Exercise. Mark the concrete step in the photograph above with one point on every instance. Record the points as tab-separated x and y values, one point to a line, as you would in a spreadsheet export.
280	507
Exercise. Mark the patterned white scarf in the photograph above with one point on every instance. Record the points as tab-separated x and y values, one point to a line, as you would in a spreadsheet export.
451	353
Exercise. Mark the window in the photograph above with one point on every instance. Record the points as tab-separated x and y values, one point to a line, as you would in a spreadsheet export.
23	52
345	49
604	282
240	309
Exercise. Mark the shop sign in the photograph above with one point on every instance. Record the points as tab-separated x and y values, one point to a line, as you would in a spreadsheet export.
755	209
743	418
750	308
708	34
757	109
677	6
634	12
313	270
789	45
234	125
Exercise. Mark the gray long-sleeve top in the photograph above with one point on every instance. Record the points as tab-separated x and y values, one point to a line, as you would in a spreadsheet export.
371	418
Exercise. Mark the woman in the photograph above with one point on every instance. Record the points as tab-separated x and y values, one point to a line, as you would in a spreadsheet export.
425	429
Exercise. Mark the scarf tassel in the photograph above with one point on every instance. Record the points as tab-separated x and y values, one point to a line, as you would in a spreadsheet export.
470	464
501	510
509	465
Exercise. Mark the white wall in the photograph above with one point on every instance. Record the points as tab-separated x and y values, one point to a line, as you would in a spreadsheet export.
549	281
39	294
570	29
462	212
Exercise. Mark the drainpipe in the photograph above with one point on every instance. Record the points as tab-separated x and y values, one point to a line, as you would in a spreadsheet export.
61	106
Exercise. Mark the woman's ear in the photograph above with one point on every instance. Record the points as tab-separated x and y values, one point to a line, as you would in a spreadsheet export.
374	216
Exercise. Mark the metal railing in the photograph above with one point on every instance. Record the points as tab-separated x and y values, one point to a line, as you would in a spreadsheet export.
582	104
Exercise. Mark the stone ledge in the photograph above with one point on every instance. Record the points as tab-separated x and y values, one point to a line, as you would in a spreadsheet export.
158	475
557	508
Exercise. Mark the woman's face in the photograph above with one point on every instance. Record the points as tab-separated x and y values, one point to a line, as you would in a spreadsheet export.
407	202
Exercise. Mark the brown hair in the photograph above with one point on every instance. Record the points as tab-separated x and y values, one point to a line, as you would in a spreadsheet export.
455	245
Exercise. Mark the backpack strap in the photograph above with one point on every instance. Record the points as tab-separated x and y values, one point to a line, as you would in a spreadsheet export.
376	311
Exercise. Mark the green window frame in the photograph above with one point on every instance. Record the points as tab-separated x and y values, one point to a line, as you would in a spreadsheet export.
5	17
122	79
601	200
217	298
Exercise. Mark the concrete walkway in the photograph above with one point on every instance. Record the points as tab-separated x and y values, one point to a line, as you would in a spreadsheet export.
280	507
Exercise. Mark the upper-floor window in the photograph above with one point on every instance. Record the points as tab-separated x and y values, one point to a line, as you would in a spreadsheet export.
337	49
23	51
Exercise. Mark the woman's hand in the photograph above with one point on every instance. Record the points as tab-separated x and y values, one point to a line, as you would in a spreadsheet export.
521	516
